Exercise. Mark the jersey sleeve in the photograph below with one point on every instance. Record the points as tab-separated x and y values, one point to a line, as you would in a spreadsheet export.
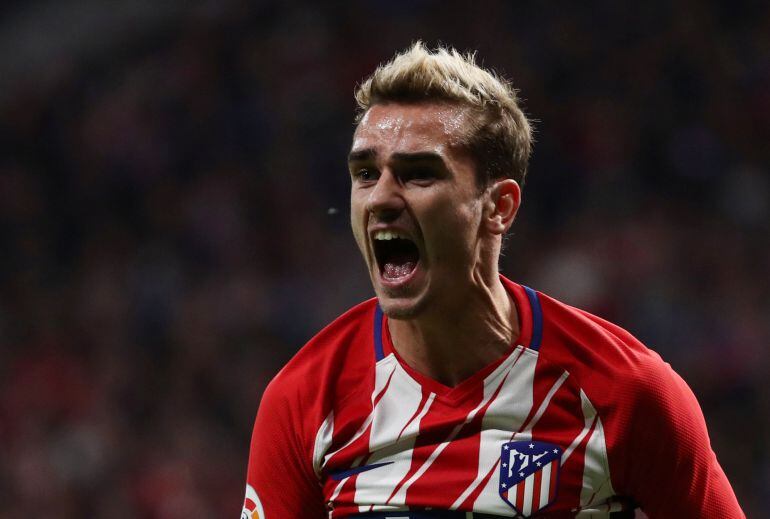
666	463
281	483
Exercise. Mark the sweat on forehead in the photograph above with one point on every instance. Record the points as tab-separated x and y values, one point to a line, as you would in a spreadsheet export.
394	120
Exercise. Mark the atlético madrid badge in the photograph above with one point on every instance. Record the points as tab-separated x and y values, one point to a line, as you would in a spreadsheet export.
529	475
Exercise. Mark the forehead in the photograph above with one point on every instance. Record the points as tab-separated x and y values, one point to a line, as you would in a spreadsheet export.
411	127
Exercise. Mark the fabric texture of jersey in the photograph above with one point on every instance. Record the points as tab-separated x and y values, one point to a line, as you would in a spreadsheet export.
577	419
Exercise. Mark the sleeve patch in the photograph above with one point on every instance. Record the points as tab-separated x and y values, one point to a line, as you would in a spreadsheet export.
252	507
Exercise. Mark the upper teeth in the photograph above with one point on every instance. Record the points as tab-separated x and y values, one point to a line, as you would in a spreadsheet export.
388	235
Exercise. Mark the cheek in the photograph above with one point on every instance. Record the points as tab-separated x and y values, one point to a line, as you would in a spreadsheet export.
459	212
455	227
357	223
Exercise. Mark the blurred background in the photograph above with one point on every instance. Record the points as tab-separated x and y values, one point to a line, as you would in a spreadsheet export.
174	220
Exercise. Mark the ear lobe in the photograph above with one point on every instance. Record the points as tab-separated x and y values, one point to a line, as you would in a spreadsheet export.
503	203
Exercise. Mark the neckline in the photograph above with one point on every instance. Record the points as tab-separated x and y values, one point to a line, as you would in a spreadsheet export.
528	327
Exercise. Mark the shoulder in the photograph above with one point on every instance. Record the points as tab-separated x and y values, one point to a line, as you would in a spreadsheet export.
295	414
651	421
333	360
611	365
639	397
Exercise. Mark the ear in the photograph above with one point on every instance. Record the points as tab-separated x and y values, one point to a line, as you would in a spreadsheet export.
501	206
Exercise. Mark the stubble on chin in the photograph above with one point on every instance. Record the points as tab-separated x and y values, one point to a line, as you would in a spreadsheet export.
402	312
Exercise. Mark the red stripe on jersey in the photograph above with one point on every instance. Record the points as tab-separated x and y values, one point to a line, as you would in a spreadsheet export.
468	503
423	400
520	496
546	376
536	491
354	454
554	479
462	447
346	495
543	383
571	475
562	422
383	390
345	429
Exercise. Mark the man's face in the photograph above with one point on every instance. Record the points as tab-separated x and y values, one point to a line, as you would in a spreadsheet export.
416	207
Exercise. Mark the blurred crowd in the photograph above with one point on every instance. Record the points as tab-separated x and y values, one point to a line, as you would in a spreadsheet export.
174	224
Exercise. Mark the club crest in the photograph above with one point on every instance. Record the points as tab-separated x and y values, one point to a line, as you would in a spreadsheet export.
529	474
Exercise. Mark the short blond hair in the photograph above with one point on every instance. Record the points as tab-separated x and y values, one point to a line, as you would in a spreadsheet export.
500	138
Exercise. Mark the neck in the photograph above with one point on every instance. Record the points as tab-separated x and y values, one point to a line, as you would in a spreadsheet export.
451	343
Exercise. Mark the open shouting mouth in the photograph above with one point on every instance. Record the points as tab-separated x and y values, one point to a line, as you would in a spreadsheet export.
396	254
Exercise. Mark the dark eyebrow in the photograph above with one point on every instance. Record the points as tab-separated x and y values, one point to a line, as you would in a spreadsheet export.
364	155
368	154
423	156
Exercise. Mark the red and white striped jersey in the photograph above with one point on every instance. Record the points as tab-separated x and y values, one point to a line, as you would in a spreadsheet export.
577	419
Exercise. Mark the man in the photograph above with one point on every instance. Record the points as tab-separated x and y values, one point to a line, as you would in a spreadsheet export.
456	392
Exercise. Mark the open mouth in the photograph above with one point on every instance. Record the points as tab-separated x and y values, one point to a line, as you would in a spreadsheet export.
397	256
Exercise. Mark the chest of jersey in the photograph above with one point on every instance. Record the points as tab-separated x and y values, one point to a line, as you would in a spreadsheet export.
523	441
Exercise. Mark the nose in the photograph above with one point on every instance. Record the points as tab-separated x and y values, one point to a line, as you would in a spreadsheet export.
385	200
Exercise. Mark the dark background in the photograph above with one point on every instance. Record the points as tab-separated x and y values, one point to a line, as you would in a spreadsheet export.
167	171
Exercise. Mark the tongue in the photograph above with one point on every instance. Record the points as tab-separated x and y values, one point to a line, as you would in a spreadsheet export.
398	269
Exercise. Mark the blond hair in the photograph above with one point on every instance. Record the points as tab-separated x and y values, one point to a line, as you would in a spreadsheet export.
500	137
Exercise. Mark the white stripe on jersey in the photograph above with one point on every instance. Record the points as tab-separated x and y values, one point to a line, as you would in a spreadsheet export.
379	386
513	494
394	424
589	414
545	485
337	489
391	416
344	480
489	498
529	494
502	372
527	433
504	415
400	497
597	486
323	440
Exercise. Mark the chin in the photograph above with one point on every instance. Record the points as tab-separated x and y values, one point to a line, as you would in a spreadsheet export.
399	312
398	308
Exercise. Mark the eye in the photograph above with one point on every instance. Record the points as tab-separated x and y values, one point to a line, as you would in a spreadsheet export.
365	174
419	175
